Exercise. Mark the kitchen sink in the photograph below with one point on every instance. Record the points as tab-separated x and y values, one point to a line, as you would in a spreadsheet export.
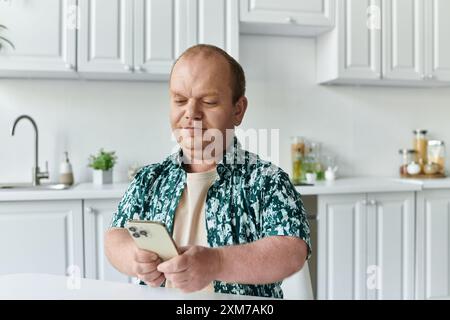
29	186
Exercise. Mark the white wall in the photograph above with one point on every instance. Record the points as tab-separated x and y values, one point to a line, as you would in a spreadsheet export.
363	126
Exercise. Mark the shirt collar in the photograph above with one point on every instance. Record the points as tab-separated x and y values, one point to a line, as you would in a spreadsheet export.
233	156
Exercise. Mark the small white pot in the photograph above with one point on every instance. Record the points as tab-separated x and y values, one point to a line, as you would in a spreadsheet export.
102	177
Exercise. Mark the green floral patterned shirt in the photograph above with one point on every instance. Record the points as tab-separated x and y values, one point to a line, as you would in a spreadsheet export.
250	199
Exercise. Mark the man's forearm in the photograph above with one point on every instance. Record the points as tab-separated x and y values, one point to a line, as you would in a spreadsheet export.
264	261
118	245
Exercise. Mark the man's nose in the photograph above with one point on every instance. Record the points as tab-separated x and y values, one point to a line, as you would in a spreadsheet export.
194	111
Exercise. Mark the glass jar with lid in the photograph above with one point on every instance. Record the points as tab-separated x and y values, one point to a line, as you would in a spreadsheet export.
420	145
315	153
407	156
436	154
297	155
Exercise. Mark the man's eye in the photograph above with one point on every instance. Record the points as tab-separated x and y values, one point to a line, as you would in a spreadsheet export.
210	102
180	101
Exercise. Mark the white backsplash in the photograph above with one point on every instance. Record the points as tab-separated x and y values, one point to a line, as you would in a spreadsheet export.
363	126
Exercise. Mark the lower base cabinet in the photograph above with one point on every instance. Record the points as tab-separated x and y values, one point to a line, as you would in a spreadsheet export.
41	237
97	218
366	246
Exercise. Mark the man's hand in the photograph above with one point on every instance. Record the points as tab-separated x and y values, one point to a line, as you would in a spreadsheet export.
144	265
194	269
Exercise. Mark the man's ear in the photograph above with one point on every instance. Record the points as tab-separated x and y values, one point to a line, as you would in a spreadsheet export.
239	110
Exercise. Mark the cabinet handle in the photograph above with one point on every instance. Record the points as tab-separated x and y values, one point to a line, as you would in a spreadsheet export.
90	210
364	202
373	202
430	77
69	66
422	76
127	67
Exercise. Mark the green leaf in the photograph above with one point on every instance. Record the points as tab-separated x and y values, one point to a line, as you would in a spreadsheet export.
103	160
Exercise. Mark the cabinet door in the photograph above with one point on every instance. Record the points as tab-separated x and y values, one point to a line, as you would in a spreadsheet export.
97	218
43	33
341	247
390	241
360	49
105	42
308	13
160	34
215	22
403	39
41	237
437	44
433	244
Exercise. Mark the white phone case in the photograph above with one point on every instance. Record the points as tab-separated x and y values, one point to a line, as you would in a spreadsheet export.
152	236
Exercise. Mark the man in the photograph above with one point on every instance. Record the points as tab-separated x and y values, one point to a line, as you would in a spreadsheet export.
238	220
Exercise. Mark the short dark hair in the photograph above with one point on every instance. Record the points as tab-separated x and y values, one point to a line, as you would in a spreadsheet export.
237	73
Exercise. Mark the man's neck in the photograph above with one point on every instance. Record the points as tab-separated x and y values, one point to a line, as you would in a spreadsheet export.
195	168
199	165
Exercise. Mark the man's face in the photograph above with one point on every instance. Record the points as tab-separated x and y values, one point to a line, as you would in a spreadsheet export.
201	97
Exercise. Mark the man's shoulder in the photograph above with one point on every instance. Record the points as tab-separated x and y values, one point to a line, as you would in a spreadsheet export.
257	168
147	173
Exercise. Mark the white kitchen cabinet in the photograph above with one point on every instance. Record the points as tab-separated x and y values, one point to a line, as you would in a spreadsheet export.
437	48
140	39
215	22
42	237
341	247
351	52
97	219
105	36
287	17
403	39
111	39
433	244
366	246
386	42
44	36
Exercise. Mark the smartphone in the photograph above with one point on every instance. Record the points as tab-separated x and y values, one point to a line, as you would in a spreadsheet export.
152	236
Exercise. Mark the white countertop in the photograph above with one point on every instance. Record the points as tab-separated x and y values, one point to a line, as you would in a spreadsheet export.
50	287
78	191
361	185
339	186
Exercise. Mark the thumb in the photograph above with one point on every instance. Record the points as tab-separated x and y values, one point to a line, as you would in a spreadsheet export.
184	249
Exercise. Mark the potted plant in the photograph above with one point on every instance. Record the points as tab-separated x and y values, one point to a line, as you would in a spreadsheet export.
103	164
3	40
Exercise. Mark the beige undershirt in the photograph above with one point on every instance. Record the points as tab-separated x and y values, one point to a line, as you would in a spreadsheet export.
190	221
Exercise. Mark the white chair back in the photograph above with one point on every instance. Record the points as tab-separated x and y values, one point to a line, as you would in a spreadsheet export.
299	285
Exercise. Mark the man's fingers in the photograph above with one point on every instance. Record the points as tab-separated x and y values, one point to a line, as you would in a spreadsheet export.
141	255
143	268
149	277
176	264
177	278
157	282
184	249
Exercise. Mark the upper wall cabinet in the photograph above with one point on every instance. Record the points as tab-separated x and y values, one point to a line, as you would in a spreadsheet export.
412	52
44	36
287	17
112	39
351	51
437	44
105	42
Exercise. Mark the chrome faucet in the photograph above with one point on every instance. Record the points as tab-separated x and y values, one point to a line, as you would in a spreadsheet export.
37	175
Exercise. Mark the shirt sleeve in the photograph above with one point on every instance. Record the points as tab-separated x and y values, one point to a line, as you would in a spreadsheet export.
132	201
283	211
